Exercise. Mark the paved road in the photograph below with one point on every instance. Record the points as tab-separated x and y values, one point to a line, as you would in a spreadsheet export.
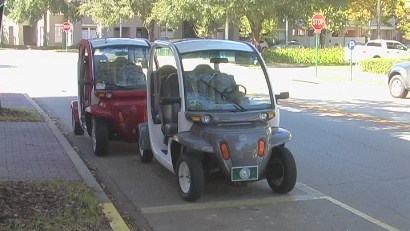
352	170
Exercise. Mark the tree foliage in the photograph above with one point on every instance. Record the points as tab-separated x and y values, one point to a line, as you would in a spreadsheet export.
32	11
254	17
108	13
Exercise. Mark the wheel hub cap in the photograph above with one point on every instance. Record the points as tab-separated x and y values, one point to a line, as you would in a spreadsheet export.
184	177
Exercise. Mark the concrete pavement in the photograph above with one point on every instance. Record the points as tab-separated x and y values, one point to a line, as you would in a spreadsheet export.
38	151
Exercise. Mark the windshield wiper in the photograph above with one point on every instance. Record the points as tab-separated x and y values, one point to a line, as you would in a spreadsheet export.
228	97
118	86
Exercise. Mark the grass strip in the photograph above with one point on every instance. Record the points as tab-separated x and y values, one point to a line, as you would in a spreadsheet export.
50	205
20	114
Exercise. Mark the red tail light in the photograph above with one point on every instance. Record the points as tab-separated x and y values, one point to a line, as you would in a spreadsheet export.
225	151
261	147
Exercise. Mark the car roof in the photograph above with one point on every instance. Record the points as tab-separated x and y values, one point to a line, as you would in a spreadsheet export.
383	40
102	42
192	45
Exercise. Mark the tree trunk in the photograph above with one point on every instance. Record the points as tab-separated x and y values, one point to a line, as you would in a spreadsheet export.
45	34
151	29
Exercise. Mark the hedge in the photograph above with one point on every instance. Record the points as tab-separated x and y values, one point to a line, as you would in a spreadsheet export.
327	56
378	65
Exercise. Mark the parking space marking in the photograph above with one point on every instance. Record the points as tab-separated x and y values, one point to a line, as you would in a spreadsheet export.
228	204
309	190
309	194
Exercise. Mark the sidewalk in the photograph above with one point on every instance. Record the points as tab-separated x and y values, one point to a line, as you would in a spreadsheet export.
38	151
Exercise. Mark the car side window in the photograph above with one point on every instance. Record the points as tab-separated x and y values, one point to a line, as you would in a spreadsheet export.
373	44
391	45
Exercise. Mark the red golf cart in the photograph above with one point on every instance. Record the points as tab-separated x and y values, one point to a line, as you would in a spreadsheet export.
111	90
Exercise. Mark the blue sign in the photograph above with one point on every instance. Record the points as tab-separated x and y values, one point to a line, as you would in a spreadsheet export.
351	44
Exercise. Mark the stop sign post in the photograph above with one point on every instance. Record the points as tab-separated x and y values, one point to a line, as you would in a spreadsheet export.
318	22
66	29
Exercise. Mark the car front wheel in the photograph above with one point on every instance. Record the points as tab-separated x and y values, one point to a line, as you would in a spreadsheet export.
99	136
397	88
190	177
281	173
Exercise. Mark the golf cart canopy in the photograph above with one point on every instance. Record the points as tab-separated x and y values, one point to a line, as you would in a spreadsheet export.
102	42
186	46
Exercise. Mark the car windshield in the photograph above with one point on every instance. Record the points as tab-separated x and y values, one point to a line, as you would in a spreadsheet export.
120	67
225	80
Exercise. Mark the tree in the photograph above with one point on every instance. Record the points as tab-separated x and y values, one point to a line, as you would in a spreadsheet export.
402	18
33	10
108	13
205	15
363	12
1	13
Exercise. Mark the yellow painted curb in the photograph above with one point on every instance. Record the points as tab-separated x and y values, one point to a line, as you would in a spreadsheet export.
116	221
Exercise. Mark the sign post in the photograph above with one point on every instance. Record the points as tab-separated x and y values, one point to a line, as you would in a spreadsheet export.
318	22
351	46
66	29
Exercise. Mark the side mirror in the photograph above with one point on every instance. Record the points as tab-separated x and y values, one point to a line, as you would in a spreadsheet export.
282	95
169	100
84	82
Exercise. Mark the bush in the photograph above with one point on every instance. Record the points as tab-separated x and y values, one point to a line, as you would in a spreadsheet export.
378	65
327	56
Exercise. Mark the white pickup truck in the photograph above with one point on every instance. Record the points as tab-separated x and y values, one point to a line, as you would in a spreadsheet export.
379	48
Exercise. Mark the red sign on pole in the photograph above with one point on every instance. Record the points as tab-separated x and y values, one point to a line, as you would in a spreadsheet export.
318	22
66	26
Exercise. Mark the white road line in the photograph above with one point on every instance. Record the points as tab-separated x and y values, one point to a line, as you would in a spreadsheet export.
309	190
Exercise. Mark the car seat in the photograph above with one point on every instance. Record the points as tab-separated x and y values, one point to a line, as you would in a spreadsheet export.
133	74
157	78
170	105
119	64
203	75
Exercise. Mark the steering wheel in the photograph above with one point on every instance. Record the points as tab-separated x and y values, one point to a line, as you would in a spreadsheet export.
231	89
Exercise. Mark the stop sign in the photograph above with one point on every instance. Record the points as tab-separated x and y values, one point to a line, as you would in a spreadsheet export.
66	26
318	21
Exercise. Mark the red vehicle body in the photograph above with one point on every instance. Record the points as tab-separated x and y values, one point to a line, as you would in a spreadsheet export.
112	93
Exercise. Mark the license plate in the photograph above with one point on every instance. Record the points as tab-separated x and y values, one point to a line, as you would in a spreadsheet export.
244	173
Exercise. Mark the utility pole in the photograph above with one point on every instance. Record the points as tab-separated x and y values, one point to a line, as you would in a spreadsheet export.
378	18
1	12
120	27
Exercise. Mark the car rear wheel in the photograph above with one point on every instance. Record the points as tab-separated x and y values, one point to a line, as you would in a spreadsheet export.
397	89
99	136
77	129
281	173
145	155
190	177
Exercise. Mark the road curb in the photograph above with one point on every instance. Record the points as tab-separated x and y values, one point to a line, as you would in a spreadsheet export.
116	221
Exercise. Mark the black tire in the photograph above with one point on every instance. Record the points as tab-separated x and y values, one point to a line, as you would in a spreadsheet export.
77	129
99	136
397	88
190	177
145	155
281	172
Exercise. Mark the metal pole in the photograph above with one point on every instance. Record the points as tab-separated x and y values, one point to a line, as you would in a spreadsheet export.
351	65
66	41
378	18
287	30
120	28
317	50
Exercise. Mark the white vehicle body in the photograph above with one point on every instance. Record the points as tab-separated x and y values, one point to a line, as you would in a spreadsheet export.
212	110
378	48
